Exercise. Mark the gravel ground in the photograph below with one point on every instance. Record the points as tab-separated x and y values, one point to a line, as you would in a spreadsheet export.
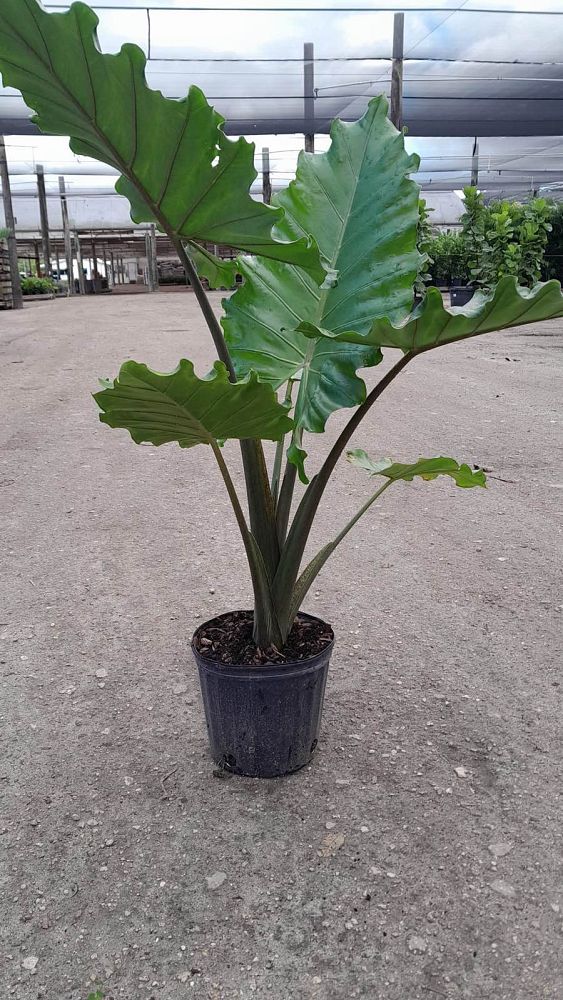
419	856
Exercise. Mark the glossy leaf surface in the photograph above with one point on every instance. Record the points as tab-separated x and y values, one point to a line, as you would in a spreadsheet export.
357	203
181	407
179	168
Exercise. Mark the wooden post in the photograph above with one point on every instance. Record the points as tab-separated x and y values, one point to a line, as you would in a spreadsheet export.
17	298
396	107
67	237
44	220
475	163
266	182
309	95
80	265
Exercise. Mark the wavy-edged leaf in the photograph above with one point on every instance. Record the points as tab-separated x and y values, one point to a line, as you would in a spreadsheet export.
158	408
357	203
219	273
179	168
432	325
425	468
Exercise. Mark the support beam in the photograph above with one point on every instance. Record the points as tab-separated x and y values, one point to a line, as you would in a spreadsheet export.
17	298
45	242
154	258
148	252
309	95
266	182
80	265
475	163
112	268
396	107
37	259
94	271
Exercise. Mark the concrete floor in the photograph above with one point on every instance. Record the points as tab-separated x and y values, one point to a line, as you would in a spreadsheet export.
419	856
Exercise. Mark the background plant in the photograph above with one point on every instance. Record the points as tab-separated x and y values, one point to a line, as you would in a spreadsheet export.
504	237
425	245
553	258
328	273
38	286
449	260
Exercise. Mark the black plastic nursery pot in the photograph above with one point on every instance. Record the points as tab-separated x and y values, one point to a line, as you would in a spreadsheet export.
461	295
263	721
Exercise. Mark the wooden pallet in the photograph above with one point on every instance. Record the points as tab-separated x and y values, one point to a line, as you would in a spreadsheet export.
6	301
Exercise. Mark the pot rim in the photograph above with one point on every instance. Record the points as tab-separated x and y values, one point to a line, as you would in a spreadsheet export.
269	668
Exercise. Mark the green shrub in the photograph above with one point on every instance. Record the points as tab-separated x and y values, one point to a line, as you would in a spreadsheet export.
505	237
553	260
448	259
38	286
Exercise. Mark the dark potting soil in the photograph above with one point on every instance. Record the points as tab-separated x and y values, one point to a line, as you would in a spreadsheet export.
228	639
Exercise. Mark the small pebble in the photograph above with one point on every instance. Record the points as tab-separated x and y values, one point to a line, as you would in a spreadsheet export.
215	880
503	888
417	944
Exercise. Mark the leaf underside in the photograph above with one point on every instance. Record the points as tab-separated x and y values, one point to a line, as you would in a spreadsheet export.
356	202
158	408
425	468
432	325
178	167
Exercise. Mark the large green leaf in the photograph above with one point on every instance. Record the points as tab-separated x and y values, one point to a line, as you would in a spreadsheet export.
179	169
425	468
431	324
181	407
356	202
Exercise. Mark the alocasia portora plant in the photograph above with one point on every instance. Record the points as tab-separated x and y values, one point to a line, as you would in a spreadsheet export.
328	274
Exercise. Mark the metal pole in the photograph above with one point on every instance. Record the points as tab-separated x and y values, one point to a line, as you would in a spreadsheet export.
266	182
94	272
44	220
67	238
396	108
154	257
148	257
17	298
309	95
37	259
80	265
112	268
475	163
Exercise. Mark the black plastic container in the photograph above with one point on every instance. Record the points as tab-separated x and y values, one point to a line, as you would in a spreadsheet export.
461	295
263	721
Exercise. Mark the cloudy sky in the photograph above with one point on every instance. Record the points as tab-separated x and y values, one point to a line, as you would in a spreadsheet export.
203	47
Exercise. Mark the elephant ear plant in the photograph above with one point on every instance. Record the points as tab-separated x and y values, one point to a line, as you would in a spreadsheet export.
328	273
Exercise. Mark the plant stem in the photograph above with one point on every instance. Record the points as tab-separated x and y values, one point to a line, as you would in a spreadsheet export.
266	630
279	449
260	502
314	567
293	549
213	323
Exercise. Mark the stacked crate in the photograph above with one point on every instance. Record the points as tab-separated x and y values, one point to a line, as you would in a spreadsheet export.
5	279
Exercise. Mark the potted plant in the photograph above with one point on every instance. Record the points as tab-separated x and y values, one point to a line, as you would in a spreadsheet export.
328	274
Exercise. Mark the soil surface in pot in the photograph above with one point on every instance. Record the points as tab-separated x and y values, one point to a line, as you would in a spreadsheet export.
228	639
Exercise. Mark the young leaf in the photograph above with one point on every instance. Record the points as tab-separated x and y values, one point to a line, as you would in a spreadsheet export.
181	407
431	324
356	202
425	468
179	168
